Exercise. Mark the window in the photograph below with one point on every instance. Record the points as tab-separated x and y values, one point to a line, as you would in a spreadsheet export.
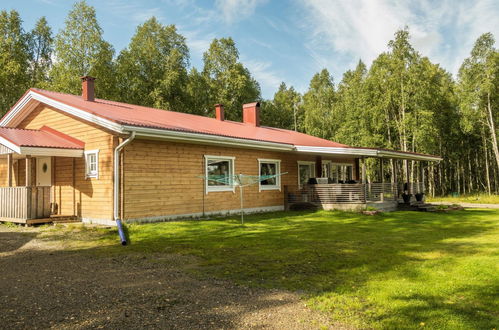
219	173
92	163
270	167
341	173
306	170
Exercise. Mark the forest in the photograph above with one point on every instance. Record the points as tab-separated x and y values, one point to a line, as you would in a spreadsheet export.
400	101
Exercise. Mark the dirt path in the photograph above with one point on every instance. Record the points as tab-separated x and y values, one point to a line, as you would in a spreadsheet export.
44	286
470	205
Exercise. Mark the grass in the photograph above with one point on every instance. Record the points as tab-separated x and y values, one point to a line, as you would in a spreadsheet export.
475	198
403	270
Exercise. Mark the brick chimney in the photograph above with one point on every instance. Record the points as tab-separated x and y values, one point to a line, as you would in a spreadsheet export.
87	88
219	112
251	113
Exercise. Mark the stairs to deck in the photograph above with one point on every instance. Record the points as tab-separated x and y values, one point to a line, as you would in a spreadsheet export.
63	219
416	206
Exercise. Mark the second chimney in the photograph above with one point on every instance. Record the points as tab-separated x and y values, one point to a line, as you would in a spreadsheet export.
251	113
219	112
87	88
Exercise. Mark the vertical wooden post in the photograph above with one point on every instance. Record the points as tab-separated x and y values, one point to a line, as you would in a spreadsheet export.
28	181
395	179
318	167
421	168
408	177
357	169
9	170
364	174
382	180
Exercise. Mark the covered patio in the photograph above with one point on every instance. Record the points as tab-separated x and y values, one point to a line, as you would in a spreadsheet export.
27	172
400	177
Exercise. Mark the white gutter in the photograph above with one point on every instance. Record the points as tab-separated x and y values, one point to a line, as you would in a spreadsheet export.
117	173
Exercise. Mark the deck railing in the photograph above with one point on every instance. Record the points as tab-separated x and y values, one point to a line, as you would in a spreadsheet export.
24	202
347	193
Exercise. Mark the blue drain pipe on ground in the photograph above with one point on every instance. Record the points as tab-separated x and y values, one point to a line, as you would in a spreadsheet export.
121	232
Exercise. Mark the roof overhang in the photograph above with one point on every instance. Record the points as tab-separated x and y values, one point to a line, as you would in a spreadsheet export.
366	152
189	137
32	99
8	147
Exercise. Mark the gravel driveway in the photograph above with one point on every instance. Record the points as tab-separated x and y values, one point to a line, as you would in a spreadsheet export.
44	286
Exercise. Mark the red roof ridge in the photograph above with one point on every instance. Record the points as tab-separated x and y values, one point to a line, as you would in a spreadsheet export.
57	133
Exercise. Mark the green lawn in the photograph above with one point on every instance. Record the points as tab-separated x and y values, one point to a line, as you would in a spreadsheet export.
394	270
476	198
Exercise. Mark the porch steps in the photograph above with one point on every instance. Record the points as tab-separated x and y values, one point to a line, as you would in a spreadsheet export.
63	219
416	206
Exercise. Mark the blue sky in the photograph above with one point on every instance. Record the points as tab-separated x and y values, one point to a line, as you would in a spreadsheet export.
292	40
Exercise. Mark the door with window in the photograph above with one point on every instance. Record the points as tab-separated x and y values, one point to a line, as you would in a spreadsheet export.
43	171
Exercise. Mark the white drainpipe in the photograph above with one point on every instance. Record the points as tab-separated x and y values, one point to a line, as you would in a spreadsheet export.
117	173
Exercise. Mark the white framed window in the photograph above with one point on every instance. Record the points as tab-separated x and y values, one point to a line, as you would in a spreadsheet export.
306	170
269	167
219	172
92	164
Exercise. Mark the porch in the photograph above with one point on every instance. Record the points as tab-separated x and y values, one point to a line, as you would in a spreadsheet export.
27	174
351	196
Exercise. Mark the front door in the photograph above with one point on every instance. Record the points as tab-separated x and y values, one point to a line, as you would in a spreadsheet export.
43	171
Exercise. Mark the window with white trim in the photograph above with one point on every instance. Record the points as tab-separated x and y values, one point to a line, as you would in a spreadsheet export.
270	174
92	163
219	172
306	170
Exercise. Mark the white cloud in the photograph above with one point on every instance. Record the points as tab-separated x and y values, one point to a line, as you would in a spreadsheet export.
269	80
136	12
344	31
234	10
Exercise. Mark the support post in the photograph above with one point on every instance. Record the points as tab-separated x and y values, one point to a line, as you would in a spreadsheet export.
364	185
421	168
9	170
318	167
382	180
28	171
408	177
395	179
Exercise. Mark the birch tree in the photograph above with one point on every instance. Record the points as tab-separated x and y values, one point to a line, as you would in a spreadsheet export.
81	50
478	84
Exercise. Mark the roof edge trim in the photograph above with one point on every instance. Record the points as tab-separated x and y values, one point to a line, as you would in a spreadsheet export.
207	138
367	152
9	119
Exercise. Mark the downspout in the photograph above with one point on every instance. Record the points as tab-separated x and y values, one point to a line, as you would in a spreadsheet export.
117	186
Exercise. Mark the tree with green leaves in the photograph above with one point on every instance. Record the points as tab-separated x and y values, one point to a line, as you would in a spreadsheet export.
81	50
14	59
318	106
152	70
40	48
284	111
478	87
229	82
198	97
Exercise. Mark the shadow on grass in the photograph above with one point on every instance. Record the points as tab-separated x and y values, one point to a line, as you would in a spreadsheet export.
340	255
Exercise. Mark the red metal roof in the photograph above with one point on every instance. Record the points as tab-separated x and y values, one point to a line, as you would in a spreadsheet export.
45	137
135	115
